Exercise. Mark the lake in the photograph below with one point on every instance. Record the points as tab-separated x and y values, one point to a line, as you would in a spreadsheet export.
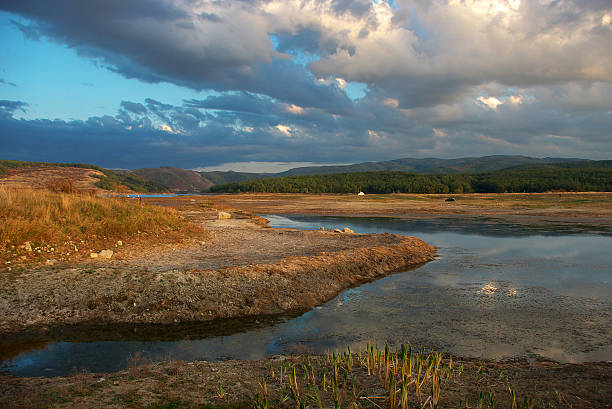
495	291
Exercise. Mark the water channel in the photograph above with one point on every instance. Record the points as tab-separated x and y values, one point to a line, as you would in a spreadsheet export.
495	291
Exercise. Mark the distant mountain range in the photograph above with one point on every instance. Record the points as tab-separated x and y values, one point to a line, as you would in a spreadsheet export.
431	165
181	180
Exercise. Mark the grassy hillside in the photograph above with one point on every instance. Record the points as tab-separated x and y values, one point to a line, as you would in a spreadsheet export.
174	179
565	177
110	180
115	181
223	178
61	225
7	165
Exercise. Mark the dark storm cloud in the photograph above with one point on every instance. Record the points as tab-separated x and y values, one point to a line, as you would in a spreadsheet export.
443	79
7	108
242	102
134	107
210	17
226	45
306	40
291	82
222	129
356	7
30	31
142	40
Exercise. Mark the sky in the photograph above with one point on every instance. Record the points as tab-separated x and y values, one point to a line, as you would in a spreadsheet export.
266	85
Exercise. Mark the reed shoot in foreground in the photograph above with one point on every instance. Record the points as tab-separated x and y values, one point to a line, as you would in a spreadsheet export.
383	379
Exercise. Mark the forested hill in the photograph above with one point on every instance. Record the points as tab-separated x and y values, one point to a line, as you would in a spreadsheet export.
431	165
584	176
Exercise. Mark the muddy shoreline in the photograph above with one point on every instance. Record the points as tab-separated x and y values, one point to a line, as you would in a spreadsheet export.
236	384
586	212
244	270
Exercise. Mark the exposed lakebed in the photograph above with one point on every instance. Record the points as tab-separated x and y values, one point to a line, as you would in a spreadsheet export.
495	291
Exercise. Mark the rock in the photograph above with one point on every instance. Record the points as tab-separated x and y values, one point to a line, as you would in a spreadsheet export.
93	255
106	253
51	262
330	229
322	228
223	215
202	243
27	246
119	243
337	231
347	230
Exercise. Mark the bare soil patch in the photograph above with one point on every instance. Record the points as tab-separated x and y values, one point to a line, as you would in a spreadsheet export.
43	176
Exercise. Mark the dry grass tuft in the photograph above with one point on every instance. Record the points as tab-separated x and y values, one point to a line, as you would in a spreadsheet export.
36	224
62	185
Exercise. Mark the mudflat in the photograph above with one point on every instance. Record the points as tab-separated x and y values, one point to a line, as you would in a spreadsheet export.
587	211
242	269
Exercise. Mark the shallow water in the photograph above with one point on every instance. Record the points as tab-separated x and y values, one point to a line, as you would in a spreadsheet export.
495	291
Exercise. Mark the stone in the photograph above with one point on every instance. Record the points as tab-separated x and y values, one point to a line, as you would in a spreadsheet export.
223	215
119	243
330	229
337	231
321	228
347	230
93	255
51	262
106	253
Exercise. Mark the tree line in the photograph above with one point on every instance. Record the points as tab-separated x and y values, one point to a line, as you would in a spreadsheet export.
520	180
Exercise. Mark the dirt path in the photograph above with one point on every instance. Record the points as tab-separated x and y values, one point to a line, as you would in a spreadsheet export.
241	270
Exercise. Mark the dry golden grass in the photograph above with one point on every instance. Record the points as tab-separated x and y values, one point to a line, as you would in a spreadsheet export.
60	223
